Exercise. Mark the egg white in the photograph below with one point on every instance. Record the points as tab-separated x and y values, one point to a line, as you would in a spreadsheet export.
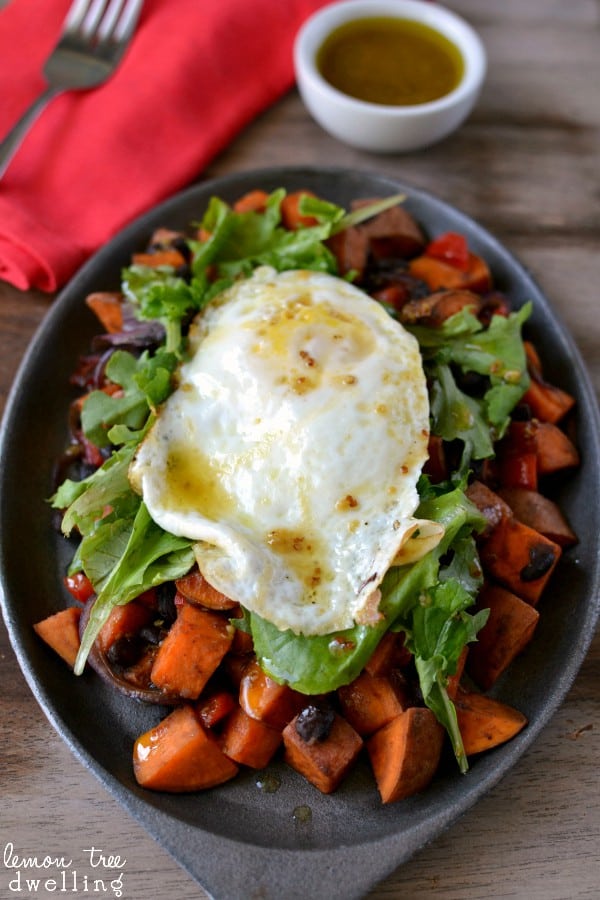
291	449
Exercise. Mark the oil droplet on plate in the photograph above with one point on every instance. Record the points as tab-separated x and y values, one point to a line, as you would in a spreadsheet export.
268	784
302	815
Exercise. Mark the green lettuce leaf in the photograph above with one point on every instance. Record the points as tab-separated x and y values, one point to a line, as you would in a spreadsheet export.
123	559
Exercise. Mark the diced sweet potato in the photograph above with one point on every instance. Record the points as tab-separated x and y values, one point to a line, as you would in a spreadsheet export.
107	306
555	451
167	257
485	722
263	698
351	250
253	201
291	217
249	741
179	755
61	632
508	630
192	650
405	753
242	642
436	308
519	558
540	513
392	233
196	589
326	762
370	702
389	654
123	621
492	507
547	402
439	275
213	709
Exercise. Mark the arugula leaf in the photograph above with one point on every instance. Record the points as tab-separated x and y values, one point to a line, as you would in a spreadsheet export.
235	244
124	563
439	627
362	213
85	502
457	415
495	352
239	242
159	293
145	382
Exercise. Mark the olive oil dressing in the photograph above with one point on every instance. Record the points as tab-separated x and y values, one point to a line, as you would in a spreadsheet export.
390	61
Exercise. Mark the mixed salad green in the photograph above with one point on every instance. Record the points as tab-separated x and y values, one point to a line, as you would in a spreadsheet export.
124	553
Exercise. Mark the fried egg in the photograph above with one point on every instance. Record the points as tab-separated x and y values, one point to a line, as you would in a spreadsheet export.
290	451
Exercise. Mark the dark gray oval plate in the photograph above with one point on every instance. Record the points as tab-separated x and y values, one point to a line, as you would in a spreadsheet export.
350	841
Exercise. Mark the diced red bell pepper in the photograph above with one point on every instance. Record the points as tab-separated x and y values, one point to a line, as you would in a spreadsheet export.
79	586
451	248
519	471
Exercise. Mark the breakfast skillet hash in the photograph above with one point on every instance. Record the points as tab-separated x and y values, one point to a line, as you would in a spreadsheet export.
307	475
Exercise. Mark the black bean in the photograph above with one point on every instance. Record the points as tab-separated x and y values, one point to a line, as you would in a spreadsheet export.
151	634
125	651
165	598
314	723
541	558
180	243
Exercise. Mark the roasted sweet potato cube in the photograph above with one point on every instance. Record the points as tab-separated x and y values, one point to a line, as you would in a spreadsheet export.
389	654
405	753
485	722
547	402
124	621
61	632
108	309
370	702
392	233
520	558
249	741
434	309
351	250
440	275
326	762
192	650
507	632
179	755
492	507
214	708
555	451
540	513
263	698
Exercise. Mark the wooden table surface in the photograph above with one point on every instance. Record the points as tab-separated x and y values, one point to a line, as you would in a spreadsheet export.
526	166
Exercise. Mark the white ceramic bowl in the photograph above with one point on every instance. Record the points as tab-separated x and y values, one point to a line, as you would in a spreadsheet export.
377	127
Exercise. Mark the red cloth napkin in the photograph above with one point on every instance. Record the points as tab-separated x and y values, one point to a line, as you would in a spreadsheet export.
196	73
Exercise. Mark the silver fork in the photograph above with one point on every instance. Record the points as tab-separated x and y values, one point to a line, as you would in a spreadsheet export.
95	35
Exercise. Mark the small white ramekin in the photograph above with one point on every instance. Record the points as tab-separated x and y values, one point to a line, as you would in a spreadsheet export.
377	127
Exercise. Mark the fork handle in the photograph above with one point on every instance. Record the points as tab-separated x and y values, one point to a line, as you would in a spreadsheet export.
12	141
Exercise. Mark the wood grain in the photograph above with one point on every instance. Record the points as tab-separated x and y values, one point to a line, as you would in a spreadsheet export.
526	166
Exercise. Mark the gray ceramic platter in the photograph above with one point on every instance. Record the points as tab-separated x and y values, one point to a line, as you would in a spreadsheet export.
239	840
